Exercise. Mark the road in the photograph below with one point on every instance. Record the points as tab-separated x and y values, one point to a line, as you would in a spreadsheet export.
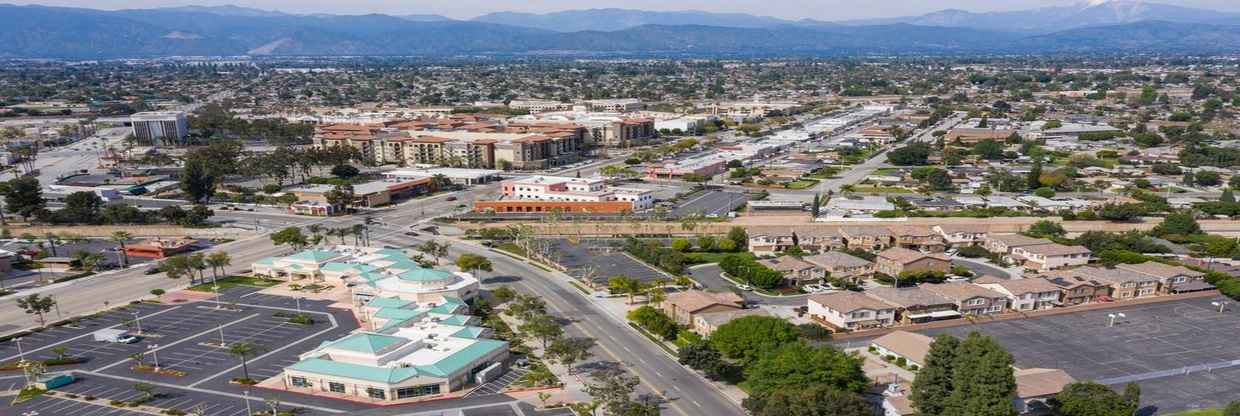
857	173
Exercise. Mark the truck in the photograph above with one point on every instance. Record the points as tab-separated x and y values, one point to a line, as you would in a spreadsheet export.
114	335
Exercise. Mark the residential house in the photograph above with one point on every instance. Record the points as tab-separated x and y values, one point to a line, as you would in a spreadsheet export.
970	299
842	265
870	238
850	311
1171	279
706	323
795	270
1036	386
683	307
1076	288
910	346
896	260
916	304
1004	243
1043	257
1028	294
917	238
962	234
1124	284
769	241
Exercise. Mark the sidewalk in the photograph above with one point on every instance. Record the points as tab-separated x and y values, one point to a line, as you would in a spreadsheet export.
574	386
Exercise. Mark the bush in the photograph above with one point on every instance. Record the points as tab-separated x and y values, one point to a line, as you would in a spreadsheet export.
655	321
972	252
750	271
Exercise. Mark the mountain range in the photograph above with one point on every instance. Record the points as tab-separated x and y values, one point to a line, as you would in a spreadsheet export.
1115	26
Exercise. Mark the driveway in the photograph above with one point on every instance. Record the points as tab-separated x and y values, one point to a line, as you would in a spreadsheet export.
708	275
982	268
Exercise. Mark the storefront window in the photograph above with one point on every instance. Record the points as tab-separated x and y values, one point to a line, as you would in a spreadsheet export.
375	393
407	392
335	387
299	381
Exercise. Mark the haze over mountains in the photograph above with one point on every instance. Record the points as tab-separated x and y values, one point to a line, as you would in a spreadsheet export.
1120	26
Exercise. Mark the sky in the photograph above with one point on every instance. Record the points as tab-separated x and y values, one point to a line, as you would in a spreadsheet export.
463	9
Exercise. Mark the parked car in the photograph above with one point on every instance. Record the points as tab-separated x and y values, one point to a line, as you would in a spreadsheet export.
151	270
744	287
451	198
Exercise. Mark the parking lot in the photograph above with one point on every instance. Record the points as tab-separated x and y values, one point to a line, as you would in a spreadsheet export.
600	260
62	406
105	389
1164	346
499	384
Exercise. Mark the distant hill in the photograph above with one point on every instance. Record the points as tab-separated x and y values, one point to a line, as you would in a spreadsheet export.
1053	19
619	19
60	32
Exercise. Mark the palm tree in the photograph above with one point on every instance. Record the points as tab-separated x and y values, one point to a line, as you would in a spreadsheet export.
358	230
315	230
87	261
197	261
243	350
121	237
61	353
218	261
137	358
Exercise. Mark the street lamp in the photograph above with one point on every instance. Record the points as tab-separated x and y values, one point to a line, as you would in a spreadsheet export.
154	349
248	410
21	355
1113	316
216	288
137	319
1221	305
298	305
220	327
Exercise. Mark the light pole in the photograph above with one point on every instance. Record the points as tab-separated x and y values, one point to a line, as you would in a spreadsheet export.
220	327
21	355
1221	305
1113	316
216	287
248	410
137	319
298	305
154	349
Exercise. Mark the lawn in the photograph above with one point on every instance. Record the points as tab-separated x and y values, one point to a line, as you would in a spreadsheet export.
234	281
511	248
703	258
801	184
881	189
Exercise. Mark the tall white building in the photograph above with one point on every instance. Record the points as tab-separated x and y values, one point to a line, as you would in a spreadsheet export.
160	128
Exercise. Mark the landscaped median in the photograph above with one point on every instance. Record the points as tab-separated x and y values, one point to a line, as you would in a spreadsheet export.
234	281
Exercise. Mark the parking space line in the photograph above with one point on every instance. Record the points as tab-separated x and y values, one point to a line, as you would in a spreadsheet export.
162	347
45	347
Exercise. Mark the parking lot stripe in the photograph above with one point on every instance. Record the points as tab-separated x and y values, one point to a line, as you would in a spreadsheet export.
84	335
333	326
205	391
162	347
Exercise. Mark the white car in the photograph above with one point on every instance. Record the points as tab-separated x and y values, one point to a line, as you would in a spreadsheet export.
744	287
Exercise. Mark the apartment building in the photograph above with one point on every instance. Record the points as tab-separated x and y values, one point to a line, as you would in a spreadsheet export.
917	238
850	311
1171	279
1123	284
896	260
478	145
867	238
916	304
1076	288
771	240
970	299
842	265
1027	294
1043	257
616	105
962	234
795	270
539	106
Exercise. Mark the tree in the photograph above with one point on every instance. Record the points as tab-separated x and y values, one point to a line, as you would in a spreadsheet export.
983	383
290	236
933	383
87	261
613	389
1232	409
624	285
344	171
816	206
1207	178
798	364
739	237
1087	398
473	263
543	327
571	350
122	237
34	304
341	196
24	196
988	149
81	208
1122	212
1177	223
913	154
654	321
503	294
197	180
218	261
812	400
243	350
748	338
1045	228
1228	195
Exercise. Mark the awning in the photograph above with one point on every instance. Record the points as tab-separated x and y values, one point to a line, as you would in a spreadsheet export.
935	314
